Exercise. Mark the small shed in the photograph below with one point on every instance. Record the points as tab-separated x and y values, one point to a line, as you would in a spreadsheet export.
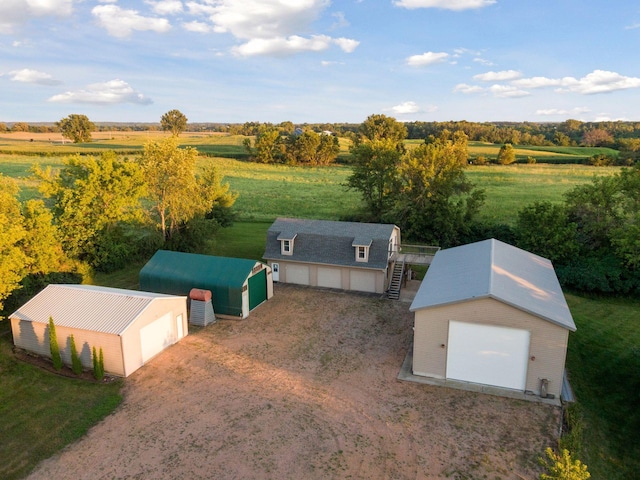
131	327
492	314
237	285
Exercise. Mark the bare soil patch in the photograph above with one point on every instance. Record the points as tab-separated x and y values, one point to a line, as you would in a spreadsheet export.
304	388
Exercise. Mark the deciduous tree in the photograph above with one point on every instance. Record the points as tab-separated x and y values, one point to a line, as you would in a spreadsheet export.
506	155
435	202
76	128
91	198
177	194
12	258
174	121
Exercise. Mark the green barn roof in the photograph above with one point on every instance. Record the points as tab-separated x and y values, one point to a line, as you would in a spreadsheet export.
177	273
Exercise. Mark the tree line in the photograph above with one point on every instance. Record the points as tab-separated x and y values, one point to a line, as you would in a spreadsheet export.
592	237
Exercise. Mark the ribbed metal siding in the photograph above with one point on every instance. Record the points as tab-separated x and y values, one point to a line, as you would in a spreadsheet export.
97	309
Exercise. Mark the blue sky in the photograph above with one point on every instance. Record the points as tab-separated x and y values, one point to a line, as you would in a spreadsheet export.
320	60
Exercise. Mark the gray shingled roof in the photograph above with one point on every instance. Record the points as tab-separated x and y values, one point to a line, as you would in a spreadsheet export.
493	269
87	307
329	242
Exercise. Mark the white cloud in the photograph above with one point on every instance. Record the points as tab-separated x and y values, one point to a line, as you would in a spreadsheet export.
121	23
427	58
559	111
269	27
165	7
507	91
467	89
264	19
346	44
482	61
501	76
14	13
598	81
405	108
107	93
341	20
26	75
540	82
444	4
197	27
282	46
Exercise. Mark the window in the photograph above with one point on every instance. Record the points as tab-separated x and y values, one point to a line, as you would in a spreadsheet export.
362	253
286	247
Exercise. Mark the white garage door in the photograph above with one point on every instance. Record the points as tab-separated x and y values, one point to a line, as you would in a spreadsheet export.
488	354
298	274
363	281
329	277
156	336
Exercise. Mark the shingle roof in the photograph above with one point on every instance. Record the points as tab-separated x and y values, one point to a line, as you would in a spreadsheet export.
87	307
329	242
493	269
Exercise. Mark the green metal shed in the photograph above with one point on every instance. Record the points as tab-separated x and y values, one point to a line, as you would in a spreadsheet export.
237	285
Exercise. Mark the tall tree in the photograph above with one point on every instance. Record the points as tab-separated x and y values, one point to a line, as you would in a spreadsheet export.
76	128
12	258
174	121
177	194
376	153
91	197
506	155
435	202
379	127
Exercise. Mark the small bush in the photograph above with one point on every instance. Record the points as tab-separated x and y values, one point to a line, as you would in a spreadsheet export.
98	364
531	160
480	160
76	364
54	347
563	467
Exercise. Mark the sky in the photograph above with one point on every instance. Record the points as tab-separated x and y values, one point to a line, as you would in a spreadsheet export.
316	61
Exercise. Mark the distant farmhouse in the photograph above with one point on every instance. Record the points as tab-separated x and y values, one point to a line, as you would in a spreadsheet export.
343	255
493	315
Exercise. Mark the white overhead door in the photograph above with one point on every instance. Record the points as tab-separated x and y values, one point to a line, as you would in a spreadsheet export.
363	281
156	336
488	354
329	277
298	274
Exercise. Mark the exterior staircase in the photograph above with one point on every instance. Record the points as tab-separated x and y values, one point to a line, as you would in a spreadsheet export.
396	281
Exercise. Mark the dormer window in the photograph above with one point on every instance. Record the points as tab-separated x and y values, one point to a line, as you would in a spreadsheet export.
286	242
362	249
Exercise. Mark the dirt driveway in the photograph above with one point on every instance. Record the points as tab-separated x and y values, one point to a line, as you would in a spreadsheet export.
304	388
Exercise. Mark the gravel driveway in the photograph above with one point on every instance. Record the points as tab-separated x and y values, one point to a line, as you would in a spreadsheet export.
304	388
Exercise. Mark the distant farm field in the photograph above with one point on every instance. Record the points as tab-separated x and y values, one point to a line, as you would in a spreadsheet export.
268	191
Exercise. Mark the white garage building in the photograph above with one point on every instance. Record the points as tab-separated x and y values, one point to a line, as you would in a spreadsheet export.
492	314
329	254
130	326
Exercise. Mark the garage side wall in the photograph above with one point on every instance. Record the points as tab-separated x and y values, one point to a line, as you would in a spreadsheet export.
547	350
34	337
131	338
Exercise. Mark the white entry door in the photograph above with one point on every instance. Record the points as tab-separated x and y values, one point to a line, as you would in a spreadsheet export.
488	354
275	272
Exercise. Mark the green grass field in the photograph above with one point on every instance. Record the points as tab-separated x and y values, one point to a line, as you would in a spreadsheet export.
41	412
604	365
602	358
